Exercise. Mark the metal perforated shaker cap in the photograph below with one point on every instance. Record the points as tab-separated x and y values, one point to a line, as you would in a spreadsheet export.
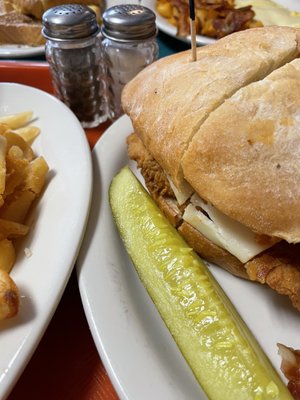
126	22
69	21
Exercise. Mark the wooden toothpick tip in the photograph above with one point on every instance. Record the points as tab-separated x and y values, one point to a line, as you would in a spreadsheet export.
193	29
193	40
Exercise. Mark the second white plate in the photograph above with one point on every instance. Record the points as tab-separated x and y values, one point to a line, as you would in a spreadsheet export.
137	349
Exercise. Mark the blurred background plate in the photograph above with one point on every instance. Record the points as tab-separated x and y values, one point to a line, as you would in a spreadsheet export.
169	29
20	51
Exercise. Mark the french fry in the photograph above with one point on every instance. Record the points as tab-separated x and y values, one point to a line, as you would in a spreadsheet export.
164	9
13	139
11	229
16	167
16	206
3	127
15	121
28	133
7	255
36	175
3	146
9	296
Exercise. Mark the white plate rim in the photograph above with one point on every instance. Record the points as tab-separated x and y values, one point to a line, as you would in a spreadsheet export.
21	335
109	275
20	51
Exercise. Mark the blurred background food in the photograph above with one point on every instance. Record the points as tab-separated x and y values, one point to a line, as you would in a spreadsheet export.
218	18
18	28
213	18
272	13
20	20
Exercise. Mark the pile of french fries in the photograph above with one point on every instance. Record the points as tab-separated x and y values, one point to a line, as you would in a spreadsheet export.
22	178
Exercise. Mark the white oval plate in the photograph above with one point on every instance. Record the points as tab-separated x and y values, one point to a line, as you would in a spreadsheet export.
137	349
59	223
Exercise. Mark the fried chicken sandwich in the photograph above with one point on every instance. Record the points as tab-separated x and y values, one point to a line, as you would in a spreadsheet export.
218	144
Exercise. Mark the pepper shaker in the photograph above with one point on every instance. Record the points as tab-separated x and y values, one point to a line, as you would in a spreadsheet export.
74	53
129	45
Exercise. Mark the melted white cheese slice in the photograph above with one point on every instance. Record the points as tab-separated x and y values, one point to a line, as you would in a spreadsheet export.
183	195
222	230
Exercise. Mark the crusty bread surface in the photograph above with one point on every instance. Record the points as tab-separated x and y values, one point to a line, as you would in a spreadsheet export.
27	34
6	6
2	7
16	28
36	8
245	158
170	99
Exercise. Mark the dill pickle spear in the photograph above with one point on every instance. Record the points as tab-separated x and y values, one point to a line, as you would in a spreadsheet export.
222	353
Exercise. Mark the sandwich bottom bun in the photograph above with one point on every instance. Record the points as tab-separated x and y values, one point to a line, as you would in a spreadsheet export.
278	267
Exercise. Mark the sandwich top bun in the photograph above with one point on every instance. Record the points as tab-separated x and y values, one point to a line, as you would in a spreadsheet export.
245	158
36	8
170	99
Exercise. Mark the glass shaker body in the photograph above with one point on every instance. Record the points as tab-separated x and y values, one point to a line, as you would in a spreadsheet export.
75	56
129	45
78	78
124	60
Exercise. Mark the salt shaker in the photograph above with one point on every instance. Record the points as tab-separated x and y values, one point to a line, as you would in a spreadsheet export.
129	44
75	56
